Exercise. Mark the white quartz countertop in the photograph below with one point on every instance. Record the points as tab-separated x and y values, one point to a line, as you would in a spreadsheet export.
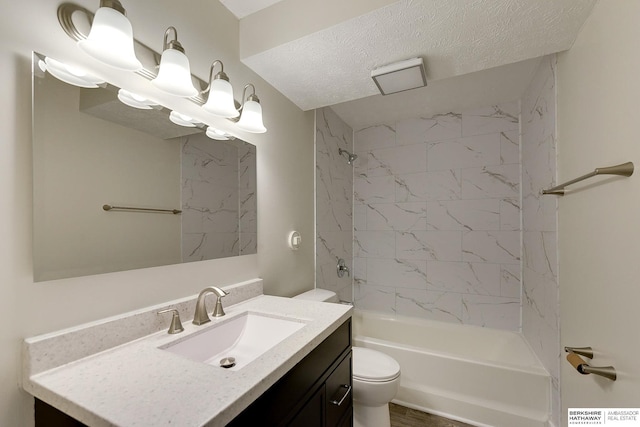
138	384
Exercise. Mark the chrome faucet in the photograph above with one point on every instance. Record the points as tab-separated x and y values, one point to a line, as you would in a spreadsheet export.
201	317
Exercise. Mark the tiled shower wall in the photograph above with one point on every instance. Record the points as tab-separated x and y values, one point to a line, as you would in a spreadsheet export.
334	200
218	198
437	217
540	301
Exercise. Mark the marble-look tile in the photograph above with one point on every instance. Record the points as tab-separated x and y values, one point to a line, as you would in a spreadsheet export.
510	280
510	147
491	246
481	214
220	220
397	160
464	277
491	182
441	306
334	202
248	243
470	190
360	270
202	246
397	216
497	118
373	137
359	217
379	189
540	301
398	273
331	245
474	151
540	252
440	185
429	245
374	244
375	298
510	214
540	308
491	312
436	128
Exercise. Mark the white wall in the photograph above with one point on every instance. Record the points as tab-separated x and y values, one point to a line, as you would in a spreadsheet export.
285	183
598	231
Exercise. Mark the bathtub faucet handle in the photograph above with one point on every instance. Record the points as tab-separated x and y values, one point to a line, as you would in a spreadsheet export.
342	268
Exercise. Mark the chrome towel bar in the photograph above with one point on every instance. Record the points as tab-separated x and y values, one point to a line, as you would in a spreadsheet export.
624	169
134	209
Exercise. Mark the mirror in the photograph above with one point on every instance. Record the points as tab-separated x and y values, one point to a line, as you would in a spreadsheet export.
91	150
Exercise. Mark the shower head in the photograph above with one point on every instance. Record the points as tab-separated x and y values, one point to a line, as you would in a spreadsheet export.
350	157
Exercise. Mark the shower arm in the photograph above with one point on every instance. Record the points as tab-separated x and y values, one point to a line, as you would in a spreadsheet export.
350	157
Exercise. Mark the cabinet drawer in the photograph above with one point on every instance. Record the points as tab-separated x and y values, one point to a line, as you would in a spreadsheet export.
339	393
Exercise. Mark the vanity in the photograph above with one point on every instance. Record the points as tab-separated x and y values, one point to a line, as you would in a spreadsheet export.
118	372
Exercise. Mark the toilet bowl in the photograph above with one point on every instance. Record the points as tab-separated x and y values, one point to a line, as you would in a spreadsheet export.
376	377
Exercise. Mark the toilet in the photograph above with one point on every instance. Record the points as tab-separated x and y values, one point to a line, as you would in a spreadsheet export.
376	376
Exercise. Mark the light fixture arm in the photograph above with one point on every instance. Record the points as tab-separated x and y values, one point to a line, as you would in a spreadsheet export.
252	97
174	43
113	4
221	75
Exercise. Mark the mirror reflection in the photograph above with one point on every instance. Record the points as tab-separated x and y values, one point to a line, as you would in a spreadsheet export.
93	148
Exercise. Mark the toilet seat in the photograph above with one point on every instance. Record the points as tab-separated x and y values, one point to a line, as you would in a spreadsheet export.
374	366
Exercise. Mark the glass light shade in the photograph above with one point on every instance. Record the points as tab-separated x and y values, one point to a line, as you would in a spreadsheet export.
174	76
217	134
182	119
220	101
110	40
251	119
71	75
134	100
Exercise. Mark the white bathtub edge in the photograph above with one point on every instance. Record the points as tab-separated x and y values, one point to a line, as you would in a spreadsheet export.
459	409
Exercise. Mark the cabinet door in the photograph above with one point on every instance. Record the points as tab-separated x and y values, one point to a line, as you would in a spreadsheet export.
312	414
339	394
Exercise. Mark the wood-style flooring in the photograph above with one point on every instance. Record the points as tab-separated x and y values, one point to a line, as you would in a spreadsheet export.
405	417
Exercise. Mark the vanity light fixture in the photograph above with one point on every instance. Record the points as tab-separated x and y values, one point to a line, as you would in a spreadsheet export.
251	112
134	100
217	134
183	119
69	74
400	76
110	39
220	101
174	75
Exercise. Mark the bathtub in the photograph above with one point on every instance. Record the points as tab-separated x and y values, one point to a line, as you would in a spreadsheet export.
484	377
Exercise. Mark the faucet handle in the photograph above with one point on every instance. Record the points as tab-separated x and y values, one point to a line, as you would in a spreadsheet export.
218	311
176	324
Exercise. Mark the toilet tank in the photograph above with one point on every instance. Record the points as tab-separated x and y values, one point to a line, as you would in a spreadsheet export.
323	295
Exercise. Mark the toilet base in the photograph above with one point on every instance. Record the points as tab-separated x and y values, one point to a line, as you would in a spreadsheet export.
371	416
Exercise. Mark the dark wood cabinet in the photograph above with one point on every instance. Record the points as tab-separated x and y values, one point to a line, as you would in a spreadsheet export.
314	393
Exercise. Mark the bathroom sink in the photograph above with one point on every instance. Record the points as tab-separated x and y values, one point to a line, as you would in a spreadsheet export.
244	338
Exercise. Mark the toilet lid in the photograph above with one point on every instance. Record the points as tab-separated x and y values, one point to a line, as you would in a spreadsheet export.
372	365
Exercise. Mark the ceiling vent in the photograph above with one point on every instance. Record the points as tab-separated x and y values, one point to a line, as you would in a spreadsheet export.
400	76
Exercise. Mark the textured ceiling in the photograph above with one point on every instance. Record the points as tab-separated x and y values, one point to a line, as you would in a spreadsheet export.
455	37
